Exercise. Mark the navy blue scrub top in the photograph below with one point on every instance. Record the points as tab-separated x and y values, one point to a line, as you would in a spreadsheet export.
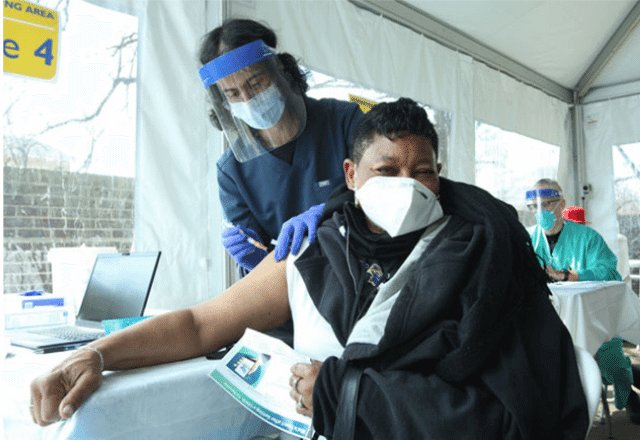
262	193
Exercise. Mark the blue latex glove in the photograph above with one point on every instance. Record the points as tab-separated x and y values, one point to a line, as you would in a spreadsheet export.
294	229
236	241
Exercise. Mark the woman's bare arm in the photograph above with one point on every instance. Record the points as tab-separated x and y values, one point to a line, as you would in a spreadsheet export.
258	301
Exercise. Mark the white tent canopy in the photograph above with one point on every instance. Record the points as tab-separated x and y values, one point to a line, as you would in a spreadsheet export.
580	46
536	68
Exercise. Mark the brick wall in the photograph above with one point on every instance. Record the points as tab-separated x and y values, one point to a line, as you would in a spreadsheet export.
45	209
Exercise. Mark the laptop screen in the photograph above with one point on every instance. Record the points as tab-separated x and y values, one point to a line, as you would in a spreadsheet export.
118	286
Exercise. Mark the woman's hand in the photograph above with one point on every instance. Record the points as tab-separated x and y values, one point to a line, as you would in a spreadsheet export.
302	381
58	394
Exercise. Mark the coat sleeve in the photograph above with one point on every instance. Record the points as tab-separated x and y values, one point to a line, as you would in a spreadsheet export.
601	261
410	404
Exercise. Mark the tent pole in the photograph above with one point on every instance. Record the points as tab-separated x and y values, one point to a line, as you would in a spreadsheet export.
582	187
217	11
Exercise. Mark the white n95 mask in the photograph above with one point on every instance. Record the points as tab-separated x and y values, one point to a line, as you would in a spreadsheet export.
262	111
398	205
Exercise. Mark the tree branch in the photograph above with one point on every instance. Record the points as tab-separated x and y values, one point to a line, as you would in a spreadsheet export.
118	50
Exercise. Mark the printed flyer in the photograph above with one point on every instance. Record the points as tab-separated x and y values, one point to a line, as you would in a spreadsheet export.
256	373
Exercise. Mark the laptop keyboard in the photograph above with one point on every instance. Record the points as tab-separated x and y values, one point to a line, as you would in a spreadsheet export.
70	333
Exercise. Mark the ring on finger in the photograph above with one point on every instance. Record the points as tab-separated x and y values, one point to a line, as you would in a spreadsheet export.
300	404
295	383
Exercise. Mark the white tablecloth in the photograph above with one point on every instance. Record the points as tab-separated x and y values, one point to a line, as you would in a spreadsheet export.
173	401
596	311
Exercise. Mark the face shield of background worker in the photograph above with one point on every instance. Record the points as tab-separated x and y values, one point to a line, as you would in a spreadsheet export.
568	251
285	149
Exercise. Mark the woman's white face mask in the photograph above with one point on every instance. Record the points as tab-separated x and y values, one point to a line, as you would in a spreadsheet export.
399	205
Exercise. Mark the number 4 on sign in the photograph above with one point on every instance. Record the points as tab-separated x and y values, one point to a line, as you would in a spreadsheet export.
45	51
31	35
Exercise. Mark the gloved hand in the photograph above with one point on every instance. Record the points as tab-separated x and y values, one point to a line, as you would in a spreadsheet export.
294	229
236	241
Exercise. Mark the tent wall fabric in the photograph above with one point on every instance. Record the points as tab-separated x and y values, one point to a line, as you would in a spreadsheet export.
176	192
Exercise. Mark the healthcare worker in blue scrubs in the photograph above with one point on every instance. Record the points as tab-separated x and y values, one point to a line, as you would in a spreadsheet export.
569	251
285	150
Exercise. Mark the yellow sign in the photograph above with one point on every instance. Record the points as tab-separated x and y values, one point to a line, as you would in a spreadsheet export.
30	36
364	104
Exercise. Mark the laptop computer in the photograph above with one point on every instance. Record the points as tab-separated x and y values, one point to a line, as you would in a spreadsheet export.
118	287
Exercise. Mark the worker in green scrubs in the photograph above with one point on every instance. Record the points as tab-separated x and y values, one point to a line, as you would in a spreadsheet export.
569	251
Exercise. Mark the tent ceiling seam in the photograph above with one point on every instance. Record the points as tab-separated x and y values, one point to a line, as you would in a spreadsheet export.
602	59
421	22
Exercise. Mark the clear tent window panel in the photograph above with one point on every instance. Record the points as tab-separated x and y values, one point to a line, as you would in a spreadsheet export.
508	164
69	146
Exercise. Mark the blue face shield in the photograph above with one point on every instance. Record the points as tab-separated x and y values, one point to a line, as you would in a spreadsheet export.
253	101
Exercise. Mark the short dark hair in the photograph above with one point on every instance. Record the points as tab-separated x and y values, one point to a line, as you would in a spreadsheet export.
234	33
390	119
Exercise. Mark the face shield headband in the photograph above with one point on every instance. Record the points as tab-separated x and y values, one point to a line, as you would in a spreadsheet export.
545	192
234	60
253	101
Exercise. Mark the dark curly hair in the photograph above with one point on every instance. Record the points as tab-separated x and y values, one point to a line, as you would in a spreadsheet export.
237	32
389	119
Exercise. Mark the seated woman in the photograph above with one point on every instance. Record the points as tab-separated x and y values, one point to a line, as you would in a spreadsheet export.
421	299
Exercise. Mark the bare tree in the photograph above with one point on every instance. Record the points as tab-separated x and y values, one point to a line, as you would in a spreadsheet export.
124	67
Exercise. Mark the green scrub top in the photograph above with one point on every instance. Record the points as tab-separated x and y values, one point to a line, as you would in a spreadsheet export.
579	248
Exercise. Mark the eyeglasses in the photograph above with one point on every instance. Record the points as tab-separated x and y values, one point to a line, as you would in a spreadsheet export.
549	205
